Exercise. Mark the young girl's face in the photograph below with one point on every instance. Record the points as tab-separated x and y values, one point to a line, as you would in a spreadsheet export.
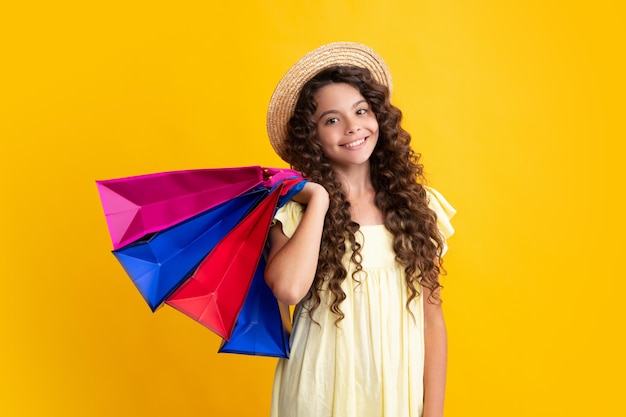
346	125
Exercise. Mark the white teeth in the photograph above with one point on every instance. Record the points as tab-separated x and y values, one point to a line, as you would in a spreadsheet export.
355	143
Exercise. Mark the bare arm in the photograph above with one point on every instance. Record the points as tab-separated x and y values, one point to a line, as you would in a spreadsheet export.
436	355
292	262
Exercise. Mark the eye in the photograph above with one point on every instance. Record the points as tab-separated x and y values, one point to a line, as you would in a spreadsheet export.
331	121
361	112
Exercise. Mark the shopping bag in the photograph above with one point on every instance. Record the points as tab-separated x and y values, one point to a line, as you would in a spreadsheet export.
144	204
262	327
215	292
165	226
159	263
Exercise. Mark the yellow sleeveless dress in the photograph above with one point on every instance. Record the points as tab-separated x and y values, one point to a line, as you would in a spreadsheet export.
371	363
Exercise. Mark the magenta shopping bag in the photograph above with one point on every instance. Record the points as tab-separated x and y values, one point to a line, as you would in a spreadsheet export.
144	204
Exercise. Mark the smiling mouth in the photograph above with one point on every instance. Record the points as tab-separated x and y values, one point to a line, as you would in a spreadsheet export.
355	143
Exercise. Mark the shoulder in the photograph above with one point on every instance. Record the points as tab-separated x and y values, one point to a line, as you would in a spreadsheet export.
443	209
289	216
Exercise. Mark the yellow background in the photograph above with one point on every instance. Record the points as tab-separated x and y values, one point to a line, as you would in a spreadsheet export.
517	107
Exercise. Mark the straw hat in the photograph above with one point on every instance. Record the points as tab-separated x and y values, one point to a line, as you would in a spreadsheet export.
283	101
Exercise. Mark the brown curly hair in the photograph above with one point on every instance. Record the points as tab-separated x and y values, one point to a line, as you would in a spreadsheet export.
396	175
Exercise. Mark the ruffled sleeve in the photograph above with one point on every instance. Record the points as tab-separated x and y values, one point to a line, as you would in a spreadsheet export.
444	211
289	216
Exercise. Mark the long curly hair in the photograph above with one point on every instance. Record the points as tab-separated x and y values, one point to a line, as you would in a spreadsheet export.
397	178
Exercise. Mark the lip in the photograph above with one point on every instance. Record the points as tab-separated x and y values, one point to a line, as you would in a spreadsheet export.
356	144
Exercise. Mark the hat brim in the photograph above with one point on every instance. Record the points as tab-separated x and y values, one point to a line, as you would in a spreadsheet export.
283	101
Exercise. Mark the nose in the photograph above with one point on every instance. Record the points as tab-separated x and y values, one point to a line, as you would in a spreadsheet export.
352	127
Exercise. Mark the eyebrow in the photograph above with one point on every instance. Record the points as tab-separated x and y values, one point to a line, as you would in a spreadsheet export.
336	111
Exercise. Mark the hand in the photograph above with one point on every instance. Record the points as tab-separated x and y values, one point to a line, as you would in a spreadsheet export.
273	176
313	193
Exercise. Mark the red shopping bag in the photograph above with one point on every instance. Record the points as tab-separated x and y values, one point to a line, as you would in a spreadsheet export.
216	291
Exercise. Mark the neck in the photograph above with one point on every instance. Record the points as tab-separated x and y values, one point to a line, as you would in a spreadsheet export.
357	183
356	180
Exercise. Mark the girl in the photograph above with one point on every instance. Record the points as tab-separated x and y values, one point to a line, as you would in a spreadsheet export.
358	250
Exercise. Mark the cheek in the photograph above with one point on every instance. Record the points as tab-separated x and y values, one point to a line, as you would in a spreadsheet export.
375	131
372	123
325	137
